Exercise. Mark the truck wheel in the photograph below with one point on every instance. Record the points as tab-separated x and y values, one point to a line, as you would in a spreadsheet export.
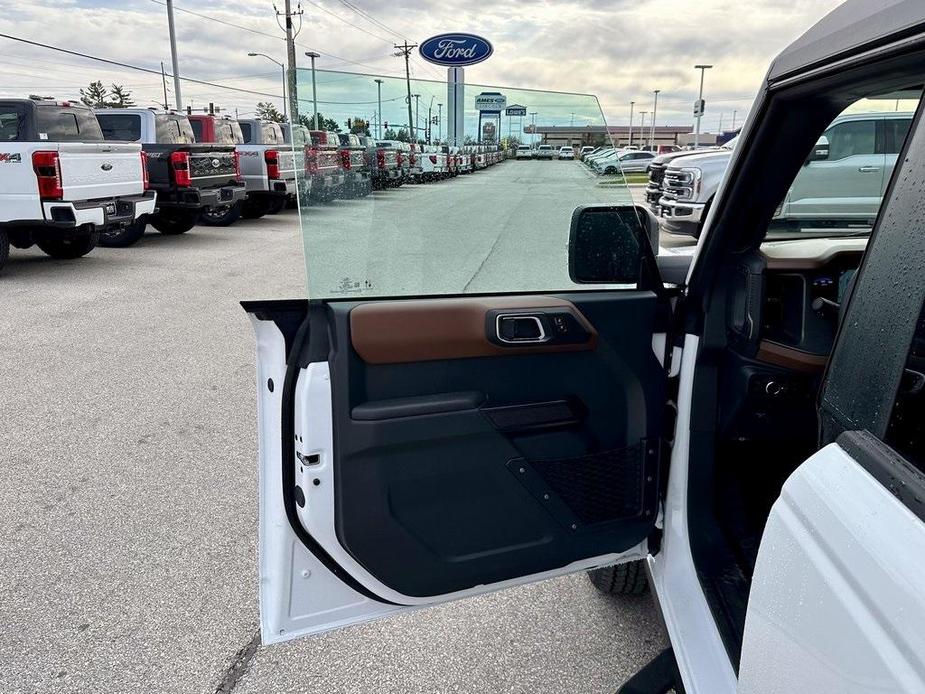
124	237
277	205
622	579
221	216
255	208
4	248
69	247
172	223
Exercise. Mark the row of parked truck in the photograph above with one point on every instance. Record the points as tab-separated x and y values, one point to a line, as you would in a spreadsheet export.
72	177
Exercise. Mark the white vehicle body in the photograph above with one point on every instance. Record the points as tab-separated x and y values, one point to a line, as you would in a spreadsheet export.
566	152
545	152
837	597
93	178
524	152
264	151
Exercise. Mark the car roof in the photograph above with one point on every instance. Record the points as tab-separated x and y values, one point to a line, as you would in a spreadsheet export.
847	29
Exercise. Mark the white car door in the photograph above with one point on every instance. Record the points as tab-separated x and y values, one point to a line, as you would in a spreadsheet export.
837	600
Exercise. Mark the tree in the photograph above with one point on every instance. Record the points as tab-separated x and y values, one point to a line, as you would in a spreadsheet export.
390	135
469	140
308	120
402	135
267	111
94	95
120	97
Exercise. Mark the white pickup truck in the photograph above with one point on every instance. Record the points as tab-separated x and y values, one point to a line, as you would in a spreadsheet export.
61	183
268	167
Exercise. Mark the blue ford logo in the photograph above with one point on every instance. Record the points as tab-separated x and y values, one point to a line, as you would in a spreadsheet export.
455	50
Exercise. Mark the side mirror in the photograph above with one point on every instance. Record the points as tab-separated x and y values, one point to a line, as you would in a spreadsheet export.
820	150
612	244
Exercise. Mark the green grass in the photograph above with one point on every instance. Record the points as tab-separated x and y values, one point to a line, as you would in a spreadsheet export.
618	180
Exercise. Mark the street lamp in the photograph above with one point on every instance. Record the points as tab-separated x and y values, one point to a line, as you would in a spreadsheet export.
630	143
703	69
642	128
417	113
533	119
313	55
379	88
429	127
439	122
281	67
654	110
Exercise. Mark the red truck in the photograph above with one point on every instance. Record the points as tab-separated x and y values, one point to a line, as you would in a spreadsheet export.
324	169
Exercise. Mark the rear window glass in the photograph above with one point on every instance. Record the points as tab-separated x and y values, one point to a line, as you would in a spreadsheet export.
172	130
272	134
120	126
67	124
196	125
226	133
12	124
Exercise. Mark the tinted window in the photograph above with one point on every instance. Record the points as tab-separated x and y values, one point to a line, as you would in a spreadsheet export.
67	124
852	138
173	130
246	132
906	431
196	125
120	126
12	124
225	133
894	134
272	134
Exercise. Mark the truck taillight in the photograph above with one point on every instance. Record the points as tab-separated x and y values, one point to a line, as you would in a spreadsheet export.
47	168
179	165
237	166
145	177
345	159
271	157
311	160
413	159
380	158
400	158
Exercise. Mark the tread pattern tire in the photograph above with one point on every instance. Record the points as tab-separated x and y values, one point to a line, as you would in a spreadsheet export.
622	579
4	248
125	237
69	248
173	224
222	216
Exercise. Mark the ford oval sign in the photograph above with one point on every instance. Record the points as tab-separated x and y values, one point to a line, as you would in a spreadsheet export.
455	50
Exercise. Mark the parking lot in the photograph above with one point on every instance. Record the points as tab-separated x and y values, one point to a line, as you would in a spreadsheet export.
129	561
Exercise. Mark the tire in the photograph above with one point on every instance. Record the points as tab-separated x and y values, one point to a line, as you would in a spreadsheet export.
4	248
254	208
622	579
69	247
173	223
221	216
277	205
124	237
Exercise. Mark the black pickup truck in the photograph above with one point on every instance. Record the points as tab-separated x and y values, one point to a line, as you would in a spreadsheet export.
190	178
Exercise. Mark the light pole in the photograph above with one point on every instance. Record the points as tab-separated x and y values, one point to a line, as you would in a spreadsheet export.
630	143
417	114
379	125
654	111
439	122
429	128
720	128
642	128
533	127
281	67
703	69
734	120
313	55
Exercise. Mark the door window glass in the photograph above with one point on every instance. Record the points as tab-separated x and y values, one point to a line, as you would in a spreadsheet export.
498	227
196	125
11	124
894	134
246	132
851	138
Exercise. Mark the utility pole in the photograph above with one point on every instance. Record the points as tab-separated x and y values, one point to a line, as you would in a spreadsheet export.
405	50
379	125
734	120
700	104
654	111
313	55
417	115
439	122
173	55
533	117
630	143
164	82
642	128
287	15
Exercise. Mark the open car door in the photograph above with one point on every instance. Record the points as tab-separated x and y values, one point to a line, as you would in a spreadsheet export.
418	450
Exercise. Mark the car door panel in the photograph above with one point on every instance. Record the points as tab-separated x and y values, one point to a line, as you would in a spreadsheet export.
474	466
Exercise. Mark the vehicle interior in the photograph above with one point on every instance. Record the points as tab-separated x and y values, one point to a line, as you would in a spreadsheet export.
772	309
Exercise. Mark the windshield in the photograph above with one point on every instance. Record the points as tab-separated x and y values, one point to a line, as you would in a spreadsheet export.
420	221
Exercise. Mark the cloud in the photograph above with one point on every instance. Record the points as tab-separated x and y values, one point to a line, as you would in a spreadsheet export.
619	50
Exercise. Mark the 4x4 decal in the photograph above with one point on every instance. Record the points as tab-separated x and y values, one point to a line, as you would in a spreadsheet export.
10	158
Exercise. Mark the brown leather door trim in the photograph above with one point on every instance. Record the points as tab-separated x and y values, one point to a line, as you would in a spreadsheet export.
397	332
790	358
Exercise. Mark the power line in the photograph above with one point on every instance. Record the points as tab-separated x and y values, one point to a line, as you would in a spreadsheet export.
346	21
132	67
369	17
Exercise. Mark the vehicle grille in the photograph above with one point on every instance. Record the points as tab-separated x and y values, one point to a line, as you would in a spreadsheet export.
678	185
202	166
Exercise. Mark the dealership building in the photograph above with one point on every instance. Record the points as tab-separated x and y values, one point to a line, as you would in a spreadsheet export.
596	135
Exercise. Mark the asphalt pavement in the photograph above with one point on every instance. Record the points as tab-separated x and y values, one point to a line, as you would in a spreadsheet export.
129	558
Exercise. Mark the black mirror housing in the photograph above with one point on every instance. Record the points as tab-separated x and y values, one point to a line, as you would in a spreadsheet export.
820	151
611	244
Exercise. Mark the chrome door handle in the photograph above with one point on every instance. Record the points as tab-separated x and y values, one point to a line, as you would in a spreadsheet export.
868	169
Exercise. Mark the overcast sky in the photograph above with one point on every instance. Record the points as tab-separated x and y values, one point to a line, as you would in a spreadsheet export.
618	50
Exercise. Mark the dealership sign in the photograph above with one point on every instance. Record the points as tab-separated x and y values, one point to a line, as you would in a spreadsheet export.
515	110
455	50
490	102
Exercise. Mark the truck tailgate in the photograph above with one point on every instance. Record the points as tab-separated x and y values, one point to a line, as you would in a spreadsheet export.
94	170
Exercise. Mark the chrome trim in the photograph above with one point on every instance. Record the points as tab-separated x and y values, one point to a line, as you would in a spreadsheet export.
527	340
